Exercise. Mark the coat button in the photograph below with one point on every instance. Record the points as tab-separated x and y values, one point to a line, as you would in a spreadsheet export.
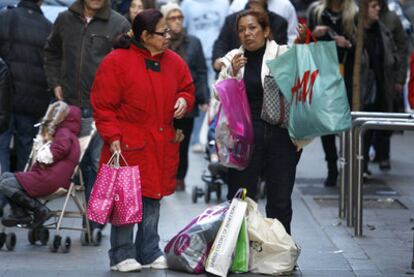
161	129
126	145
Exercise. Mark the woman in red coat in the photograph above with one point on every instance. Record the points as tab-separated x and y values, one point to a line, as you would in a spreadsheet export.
136	94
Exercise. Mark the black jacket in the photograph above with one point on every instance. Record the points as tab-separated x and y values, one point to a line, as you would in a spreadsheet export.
75	49
192	52
5	96
229	40
23	33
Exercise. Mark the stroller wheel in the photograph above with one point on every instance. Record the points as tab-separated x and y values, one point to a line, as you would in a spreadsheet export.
31	236
2	239
43	235
194	195
10	241
84	239
55	244
96	237
65	247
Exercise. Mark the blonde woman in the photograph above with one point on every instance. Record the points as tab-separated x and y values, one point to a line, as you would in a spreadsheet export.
335	20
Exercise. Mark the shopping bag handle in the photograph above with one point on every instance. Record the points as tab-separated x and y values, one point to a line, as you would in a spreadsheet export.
309	35
241	193
114	160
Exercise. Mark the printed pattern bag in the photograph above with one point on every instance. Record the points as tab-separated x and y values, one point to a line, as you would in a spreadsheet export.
275	109
103	191
127	208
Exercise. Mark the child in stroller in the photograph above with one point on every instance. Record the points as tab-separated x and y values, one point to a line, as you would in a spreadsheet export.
216	175
55	154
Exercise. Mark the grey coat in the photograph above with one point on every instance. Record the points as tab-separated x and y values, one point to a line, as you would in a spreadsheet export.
75	49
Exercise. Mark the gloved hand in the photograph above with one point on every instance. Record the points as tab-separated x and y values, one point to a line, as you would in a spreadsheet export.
44	155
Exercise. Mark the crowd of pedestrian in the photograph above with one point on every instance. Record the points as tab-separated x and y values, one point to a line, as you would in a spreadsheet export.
143	71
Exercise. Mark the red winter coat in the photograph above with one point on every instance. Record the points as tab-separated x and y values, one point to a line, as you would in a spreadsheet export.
43	179
133	98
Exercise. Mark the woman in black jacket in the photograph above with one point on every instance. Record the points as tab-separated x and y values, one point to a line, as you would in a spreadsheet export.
335	20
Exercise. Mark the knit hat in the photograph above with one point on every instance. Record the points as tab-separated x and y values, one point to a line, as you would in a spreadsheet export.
169	7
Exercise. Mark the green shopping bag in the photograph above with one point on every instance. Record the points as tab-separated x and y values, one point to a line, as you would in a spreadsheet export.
240	263
308	76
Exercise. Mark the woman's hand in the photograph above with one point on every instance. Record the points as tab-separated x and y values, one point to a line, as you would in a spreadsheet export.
180	108
237	63
115	146
342	42
320	31
302	30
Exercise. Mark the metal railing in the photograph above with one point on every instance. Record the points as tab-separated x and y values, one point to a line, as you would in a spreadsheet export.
349	174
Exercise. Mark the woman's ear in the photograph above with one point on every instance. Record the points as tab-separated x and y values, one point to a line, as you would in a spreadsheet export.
145	35
267	32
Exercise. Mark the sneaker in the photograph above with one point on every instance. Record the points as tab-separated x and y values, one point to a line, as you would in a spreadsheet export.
367	174
127	266
198	148
159	263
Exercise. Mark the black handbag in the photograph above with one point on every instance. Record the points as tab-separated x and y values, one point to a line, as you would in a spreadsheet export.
275	109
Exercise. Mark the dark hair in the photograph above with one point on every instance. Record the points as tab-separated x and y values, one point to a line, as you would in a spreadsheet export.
146	21
261	17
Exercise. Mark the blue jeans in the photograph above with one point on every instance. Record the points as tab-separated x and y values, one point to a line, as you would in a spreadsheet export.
146	248
23	130
90	161
274	158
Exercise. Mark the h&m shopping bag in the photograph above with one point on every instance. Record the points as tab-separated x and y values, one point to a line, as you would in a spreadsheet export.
221	254
188	250
102	195
272	249
234	129
308	76
127	208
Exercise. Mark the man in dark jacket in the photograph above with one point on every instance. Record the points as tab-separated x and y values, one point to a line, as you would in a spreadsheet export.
5	109
229	39
80	39
23	32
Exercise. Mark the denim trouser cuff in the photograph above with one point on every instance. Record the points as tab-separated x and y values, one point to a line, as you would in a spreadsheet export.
121	253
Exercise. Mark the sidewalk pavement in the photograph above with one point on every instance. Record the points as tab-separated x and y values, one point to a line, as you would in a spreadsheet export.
329	248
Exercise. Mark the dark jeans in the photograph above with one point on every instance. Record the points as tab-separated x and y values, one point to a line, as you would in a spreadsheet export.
329	147
146	248
274	158
381	143
23	130
9	185
186	125
90	161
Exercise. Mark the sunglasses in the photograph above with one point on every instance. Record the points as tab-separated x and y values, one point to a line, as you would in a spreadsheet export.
163	33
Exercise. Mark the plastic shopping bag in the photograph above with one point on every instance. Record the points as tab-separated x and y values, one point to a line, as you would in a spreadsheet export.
240	262
103	191
188	250
220	257
309	78
127	207
272	250
234	129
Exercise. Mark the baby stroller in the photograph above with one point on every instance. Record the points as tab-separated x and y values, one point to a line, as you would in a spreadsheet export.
75	192
215	175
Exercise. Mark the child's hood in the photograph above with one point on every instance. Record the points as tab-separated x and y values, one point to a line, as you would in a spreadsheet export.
72	120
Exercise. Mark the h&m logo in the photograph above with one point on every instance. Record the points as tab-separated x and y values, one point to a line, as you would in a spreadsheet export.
303	88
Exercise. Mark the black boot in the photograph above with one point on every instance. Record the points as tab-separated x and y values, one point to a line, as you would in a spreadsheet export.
18	216
330	181
40	212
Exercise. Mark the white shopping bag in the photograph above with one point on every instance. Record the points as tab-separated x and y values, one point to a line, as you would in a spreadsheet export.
221	253
272	249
